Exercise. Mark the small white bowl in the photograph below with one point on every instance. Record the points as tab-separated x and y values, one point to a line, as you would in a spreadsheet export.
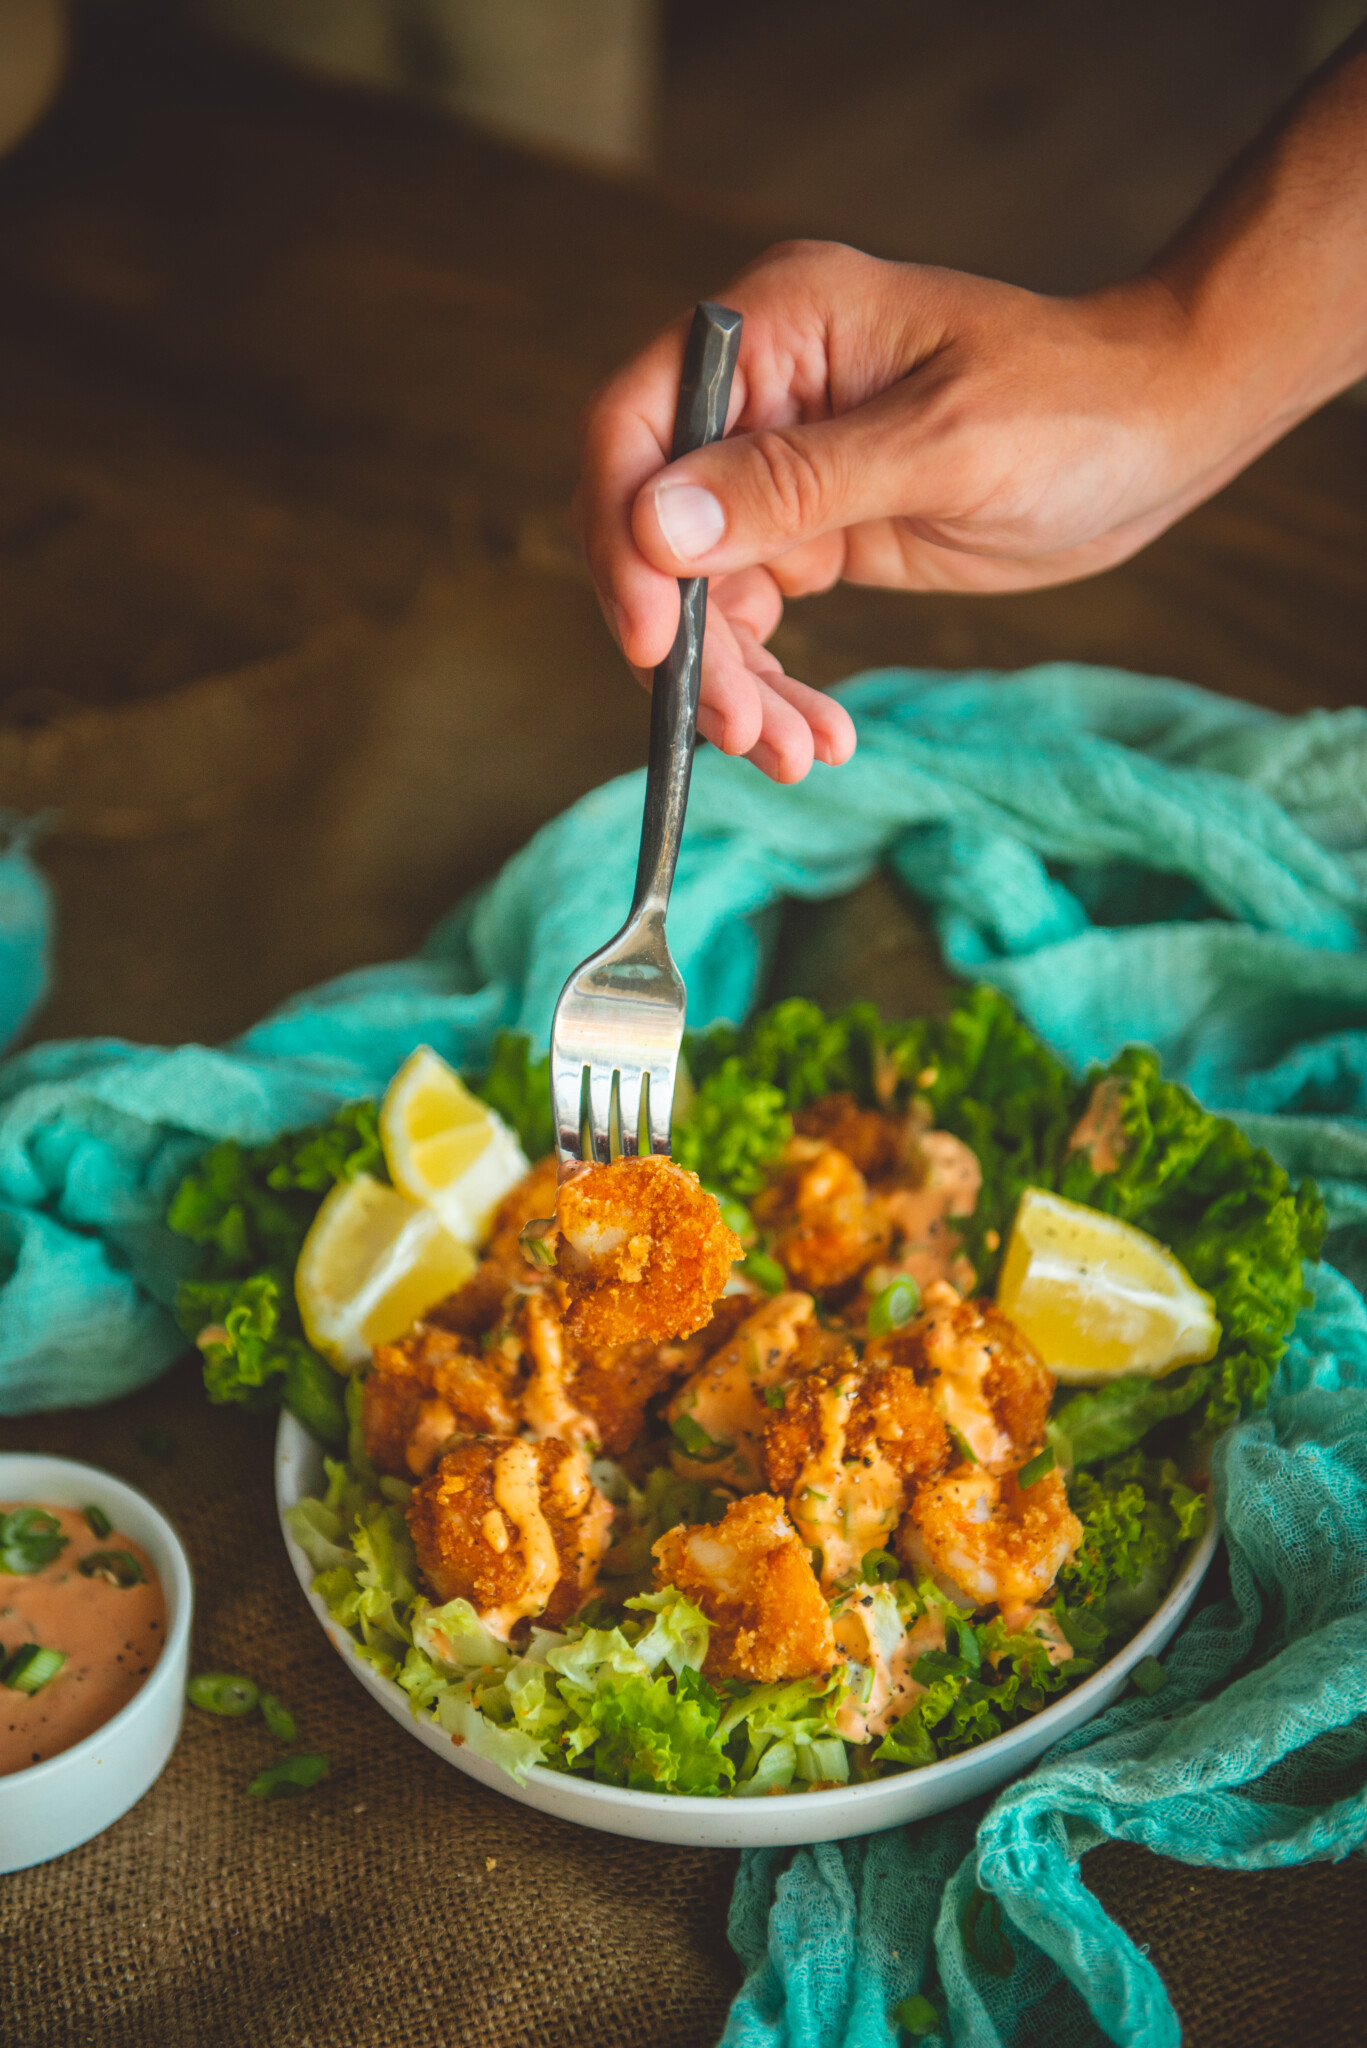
55	1806
781	1819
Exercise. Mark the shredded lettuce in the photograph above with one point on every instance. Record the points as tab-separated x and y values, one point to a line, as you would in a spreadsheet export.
625	1704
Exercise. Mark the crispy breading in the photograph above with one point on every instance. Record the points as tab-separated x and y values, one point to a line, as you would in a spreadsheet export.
988	1538
887	1412
846	1450
986	1379
427	1387
515	1528
753	1579
826	1229
643	1251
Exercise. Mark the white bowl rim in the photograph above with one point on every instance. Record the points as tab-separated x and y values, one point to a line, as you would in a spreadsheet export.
177	1636
621	1799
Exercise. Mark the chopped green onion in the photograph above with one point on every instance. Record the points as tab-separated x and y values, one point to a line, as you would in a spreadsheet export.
765	1271
1149	1677
222	1692
962	1445
538	1242
115	1567
157	1443
98	1522
400	1491
29	1539
697	1443
1043	1462
916	2015
292	1775
774	1397
31	1668
278	1718
813	1493
879	1568
896	1304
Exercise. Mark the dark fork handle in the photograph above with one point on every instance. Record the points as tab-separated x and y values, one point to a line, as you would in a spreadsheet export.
704	393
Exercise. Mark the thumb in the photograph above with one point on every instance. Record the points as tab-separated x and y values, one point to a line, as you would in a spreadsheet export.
756	496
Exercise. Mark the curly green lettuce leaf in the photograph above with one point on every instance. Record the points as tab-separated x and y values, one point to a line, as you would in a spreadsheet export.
519	1088
1237	1223
734	1125
249	1209
1137	1514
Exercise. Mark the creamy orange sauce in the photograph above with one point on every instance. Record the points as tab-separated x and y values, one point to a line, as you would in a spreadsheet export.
547	1409
112	1637
950	1180
1100	1131
517	1489
844	1507
882	1654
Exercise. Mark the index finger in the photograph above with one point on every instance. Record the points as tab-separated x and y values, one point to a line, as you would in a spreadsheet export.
625	438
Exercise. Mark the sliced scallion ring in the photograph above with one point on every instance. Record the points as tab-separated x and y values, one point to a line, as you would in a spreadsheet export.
894	1305
278	1718
292	1775
115	1567
1044	1461
97	1521
31	1668
223	1692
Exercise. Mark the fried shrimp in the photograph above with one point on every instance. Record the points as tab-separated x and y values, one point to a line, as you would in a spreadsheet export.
429	1386
987	1538
752	1578
875	1142
477	1307
592	1395
846	1450
940	1184
826	1229
985	1380
643	1251
515	1528
718	1414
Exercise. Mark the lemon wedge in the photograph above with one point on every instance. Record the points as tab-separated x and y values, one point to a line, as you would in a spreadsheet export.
446	1148
372	1263
1097	1298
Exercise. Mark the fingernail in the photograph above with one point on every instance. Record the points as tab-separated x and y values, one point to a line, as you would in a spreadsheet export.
691	519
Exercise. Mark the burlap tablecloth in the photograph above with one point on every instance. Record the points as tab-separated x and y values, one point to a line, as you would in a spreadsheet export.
400	1903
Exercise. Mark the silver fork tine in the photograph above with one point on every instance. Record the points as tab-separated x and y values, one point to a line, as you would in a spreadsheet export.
619	1021
631	1080
659	1092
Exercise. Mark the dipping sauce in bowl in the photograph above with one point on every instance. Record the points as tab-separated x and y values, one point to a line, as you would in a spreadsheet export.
97	1603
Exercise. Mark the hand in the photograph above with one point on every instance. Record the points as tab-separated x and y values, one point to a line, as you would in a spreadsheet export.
890	424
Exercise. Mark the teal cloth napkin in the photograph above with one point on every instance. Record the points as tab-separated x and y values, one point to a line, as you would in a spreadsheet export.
1130	859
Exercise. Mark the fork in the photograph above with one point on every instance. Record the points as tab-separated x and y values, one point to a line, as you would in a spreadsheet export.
620	1018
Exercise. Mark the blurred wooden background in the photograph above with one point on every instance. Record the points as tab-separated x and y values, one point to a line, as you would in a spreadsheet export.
294	644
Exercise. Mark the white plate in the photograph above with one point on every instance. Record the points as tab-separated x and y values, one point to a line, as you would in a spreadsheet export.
54	1806
782	1818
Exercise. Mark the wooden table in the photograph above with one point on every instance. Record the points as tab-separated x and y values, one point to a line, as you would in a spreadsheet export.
293	640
